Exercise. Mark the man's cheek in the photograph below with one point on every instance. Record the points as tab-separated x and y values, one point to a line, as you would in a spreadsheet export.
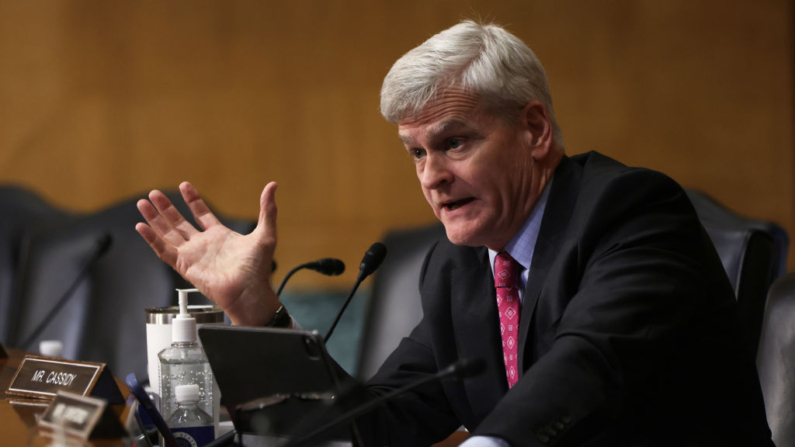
429	199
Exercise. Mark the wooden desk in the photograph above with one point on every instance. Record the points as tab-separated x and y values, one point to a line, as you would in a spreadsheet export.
18	421
17	415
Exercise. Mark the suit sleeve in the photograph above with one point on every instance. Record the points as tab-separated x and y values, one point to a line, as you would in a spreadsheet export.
640	284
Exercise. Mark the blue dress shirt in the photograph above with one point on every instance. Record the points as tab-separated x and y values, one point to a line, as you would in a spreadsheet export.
521	248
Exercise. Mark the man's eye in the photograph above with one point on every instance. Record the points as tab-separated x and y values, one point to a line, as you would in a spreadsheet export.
417	153
454	143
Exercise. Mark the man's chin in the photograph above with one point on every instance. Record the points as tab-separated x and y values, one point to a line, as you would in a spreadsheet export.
459	237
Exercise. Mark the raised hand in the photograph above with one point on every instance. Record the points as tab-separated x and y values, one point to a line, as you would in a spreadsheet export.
231	269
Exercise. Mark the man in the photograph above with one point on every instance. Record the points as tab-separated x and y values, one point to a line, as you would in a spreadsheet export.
590	288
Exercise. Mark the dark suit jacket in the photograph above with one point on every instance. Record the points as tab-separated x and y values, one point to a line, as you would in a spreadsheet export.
629	332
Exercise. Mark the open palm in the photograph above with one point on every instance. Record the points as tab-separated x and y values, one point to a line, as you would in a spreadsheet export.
231	269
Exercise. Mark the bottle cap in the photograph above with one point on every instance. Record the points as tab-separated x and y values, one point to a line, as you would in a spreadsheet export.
187	393
50	348
183	327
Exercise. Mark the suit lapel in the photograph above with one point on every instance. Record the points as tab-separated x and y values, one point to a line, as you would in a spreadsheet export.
550	237
476	325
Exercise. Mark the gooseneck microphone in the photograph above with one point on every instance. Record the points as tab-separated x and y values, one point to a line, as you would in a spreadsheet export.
460	370
325	266
102	246
370	262
372	259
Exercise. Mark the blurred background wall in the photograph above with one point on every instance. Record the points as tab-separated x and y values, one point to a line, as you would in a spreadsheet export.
103	100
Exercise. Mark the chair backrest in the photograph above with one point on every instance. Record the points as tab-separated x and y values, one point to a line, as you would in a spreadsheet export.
775	360
21	211
394	305
105	319
753	253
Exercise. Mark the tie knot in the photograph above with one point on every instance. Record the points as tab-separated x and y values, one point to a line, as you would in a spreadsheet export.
506	271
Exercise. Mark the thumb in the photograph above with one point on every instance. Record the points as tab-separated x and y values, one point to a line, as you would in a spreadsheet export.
267	212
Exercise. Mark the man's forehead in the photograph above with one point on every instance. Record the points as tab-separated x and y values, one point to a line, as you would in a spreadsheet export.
454	109
449	102
449	125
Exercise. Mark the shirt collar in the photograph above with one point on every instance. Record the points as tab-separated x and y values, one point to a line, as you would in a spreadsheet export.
523	243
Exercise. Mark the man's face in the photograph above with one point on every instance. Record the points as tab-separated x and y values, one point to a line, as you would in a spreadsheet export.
476	170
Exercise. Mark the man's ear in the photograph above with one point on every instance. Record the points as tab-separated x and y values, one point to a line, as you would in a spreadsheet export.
539	129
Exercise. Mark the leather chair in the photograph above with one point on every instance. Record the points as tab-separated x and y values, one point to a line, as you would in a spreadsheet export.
753	253
394	305
22	210
105	320
775	360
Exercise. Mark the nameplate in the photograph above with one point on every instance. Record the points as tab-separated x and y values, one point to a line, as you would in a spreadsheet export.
81	416
44	377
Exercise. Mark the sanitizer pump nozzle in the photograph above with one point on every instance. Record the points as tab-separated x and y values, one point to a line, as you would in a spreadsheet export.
183	328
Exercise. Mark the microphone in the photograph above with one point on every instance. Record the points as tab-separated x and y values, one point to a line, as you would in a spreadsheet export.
463	369
460	370
102	246
370	262
325	266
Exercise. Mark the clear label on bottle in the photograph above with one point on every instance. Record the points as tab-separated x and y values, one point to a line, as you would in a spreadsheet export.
194	436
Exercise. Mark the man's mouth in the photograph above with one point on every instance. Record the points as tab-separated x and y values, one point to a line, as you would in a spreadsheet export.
455	204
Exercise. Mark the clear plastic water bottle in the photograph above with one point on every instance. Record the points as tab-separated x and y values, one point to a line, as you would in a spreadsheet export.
190	425
184	363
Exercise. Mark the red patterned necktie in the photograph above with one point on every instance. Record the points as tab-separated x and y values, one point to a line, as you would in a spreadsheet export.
506	280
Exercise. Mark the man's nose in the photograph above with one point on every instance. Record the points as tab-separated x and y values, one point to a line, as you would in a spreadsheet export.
436	172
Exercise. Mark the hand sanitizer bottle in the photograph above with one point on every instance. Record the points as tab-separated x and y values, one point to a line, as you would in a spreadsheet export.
189	424
184	363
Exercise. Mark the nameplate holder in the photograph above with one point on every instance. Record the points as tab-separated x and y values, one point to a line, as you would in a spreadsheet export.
44	377
3	353
81	416
29	410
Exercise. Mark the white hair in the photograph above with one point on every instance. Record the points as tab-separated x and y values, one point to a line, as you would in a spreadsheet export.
485	60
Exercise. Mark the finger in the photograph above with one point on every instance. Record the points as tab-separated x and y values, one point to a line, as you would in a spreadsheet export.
172	215
204	217
163	250
153	218
267	211
159	223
